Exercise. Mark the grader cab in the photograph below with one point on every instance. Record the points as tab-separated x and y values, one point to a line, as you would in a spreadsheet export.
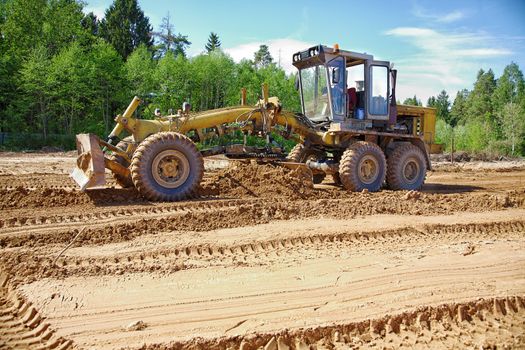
350	128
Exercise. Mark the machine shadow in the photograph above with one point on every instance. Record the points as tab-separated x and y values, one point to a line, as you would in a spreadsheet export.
107	197
448	188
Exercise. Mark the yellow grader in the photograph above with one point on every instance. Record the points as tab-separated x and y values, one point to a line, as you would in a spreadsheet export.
350	128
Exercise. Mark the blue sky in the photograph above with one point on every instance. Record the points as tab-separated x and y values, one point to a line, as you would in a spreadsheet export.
434	45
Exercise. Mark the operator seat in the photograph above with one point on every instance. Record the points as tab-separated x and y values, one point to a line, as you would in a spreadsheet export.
352	100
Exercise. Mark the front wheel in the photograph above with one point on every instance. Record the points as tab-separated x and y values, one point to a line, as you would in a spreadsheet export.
362	167
167	166
301	154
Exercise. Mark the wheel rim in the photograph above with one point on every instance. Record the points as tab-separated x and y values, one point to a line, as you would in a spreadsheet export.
170	168
368	169
411	170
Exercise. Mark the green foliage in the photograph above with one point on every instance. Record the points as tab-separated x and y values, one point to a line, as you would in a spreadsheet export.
140	70
34	82
444	134
91	24
513	125
431	102
212	83
125	27
213	42
172	81
443	106
63	72
510	87
412	101
23	28
262	57
169	41
491	117
107	87
458	110
280	86
479	100
62	24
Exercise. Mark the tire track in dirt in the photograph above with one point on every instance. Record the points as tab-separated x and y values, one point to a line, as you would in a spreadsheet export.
482	323
105	216
37	181
119	224
334	290
21	325
30	267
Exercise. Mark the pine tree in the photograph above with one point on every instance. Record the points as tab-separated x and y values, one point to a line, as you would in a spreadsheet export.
262	57
431	102
443	107
479	100
509	87
125	27
412	101
458	111
91	23
213	42
169	41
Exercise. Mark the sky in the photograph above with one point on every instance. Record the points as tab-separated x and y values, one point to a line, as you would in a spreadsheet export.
434	45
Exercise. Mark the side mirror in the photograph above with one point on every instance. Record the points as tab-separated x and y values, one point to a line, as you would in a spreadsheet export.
335	75
297	82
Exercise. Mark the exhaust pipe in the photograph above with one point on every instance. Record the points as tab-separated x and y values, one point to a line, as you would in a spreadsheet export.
327	167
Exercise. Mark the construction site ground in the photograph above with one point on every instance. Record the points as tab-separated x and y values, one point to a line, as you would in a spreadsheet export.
262	259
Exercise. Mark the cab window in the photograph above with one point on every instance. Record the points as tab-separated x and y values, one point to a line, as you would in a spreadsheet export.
378	103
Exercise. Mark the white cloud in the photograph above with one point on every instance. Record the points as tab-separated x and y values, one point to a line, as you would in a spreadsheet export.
98	11
449	17
283	48
443	60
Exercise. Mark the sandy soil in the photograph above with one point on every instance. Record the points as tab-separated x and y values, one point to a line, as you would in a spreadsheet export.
262	259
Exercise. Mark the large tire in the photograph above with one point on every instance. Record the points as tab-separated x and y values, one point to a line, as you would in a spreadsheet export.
123	181
407	168
362	167
167	166
301	154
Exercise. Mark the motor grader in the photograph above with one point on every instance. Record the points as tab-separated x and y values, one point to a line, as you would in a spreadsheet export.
349	128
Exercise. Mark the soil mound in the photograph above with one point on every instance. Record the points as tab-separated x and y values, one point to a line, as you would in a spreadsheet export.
21	197
258	180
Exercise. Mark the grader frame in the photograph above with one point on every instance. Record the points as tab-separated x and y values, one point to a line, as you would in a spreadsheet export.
353	150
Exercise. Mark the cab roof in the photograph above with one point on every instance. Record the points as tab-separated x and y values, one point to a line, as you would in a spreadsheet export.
321	54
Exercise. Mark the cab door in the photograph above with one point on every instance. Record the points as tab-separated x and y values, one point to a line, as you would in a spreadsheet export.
377	83
337	88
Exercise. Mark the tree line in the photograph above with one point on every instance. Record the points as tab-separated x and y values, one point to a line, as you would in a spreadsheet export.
64	72
489	118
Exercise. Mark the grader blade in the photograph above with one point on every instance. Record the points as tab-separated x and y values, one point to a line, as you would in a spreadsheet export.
299	168
89	171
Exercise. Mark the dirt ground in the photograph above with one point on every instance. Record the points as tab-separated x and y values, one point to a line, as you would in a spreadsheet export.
262	259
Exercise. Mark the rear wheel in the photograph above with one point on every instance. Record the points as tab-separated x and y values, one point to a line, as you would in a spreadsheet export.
363	167
123	181
407	168
301	154
167	166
